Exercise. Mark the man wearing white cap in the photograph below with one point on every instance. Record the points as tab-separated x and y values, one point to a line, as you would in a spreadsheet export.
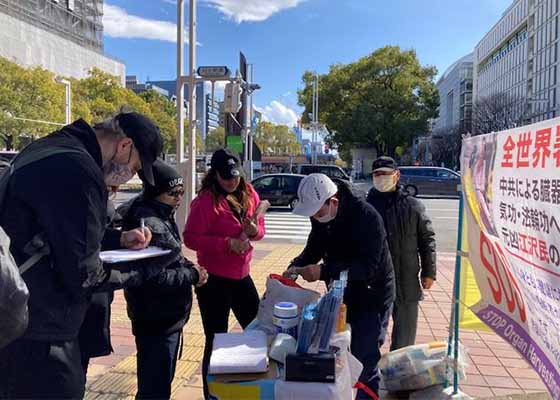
347	233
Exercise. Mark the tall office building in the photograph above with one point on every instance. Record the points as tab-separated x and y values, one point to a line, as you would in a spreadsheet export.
518	58
455	96
207	110
62	36
212	113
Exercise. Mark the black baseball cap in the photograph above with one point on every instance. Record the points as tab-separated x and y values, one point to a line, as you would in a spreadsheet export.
384	163
146	138
227	163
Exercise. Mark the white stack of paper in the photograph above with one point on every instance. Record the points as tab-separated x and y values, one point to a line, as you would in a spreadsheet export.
236	353
117	256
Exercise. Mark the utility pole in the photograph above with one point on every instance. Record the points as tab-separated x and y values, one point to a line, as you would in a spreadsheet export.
190	175
250	132
180	84
191	168
67	99
315	117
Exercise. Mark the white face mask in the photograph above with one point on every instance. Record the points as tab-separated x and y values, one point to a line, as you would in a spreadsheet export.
117	174
384	183
328	217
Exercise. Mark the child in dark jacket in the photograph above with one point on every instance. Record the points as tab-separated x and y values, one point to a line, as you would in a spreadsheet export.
160	308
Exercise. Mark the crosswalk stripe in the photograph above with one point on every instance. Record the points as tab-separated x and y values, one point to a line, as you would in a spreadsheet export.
286	231
287	223
286	218
288	237
284	226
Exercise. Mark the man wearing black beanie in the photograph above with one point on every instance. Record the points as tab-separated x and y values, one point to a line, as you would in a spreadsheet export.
160	308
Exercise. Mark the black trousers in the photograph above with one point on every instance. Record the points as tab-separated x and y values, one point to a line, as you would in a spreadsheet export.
216	299
155	364
405	321
32	369
369	328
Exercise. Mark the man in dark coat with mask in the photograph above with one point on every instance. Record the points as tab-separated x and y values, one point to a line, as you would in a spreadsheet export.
63	198
343	227
411	238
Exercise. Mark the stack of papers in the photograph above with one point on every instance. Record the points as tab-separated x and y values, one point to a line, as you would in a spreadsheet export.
235	353
124	255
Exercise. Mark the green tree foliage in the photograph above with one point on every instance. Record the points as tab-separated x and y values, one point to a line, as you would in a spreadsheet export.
276	140
34	94
216	139
384	99
31	94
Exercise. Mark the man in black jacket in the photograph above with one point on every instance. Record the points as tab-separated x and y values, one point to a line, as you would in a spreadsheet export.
410	236
161	306
63	197
347	233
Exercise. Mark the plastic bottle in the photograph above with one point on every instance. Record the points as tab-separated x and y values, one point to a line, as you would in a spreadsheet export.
341	318
285	318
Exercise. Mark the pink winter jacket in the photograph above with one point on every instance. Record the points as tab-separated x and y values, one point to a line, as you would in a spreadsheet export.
208	230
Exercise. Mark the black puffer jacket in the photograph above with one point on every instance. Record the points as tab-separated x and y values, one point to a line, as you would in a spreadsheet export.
410	236
162	304
354	240
64	197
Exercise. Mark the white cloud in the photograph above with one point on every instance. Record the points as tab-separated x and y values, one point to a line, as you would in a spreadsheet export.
279	114
249	10
218	88
117	22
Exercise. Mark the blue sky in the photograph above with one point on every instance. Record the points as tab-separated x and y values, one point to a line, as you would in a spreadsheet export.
284	38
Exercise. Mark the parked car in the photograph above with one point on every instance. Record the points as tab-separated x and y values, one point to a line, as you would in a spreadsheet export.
279	189
332	171
430	181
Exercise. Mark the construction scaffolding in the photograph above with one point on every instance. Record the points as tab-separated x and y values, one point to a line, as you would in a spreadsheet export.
77	20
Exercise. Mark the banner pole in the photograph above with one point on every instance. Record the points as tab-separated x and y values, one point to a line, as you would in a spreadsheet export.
454	323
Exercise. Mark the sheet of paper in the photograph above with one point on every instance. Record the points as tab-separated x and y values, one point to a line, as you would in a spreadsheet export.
239	353
123	255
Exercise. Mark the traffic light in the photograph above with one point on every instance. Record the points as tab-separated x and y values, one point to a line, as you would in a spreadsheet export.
232	98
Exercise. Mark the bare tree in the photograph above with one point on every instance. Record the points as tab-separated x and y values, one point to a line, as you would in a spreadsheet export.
498	112
446	146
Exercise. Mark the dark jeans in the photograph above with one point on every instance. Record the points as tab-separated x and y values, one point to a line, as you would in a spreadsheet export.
32	369
155	364
405	321
215	300
368	334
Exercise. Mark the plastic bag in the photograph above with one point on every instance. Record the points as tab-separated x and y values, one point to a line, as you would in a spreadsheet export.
419	366
278	289
13	295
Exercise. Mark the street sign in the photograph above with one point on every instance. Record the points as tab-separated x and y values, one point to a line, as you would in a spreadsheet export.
213	72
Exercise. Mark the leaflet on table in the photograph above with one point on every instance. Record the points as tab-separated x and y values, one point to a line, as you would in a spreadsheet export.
234	353
124	255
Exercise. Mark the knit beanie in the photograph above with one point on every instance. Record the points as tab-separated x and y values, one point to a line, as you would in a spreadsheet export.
165	179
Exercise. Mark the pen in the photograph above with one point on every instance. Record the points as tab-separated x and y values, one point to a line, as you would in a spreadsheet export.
142	226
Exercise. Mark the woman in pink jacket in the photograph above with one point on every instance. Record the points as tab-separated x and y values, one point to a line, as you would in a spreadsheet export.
220	227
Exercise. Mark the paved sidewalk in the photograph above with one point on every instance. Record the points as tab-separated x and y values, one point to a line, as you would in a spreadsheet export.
494	369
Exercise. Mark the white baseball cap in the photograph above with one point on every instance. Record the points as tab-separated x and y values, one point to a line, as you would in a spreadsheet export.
313	191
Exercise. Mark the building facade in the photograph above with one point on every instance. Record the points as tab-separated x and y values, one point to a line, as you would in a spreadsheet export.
134	84
455	96
207	111
518	58
62	36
